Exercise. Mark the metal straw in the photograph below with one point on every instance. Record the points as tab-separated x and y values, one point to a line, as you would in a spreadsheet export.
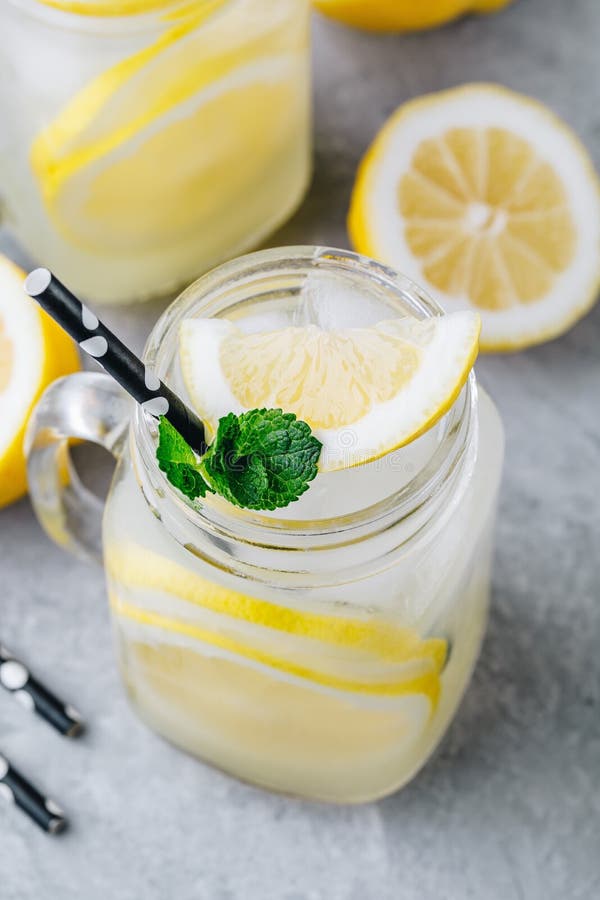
98	342
15	788
16	678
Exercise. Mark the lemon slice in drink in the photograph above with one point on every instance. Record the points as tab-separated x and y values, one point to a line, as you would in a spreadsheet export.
368	655
492	203
382	386
33	352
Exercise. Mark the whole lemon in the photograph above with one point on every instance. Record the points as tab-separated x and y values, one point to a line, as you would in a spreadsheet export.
403	15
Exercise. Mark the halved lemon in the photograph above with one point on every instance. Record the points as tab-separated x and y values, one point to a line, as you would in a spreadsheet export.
33	352
492	203
403	15
384	385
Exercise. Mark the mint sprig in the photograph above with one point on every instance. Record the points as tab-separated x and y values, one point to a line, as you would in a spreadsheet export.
262	459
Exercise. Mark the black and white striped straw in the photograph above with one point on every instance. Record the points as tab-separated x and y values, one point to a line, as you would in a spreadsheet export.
16	678
15	788
97	341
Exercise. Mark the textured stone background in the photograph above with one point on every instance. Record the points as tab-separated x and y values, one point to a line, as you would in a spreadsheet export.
509	809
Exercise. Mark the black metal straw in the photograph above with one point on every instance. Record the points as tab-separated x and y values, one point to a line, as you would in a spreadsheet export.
106	348
15	788
18	680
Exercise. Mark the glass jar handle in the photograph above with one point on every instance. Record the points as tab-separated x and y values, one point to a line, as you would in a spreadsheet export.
90	407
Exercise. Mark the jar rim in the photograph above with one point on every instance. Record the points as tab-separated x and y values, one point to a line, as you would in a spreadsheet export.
207	292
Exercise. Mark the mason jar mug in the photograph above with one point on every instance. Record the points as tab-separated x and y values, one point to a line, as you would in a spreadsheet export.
143	142
323	650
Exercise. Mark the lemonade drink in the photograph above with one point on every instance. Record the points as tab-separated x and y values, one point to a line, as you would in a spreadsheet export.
321	649
144	142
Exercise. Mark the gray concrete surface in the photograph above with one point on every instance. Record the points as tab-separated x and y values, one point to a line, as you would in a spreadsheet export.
509	809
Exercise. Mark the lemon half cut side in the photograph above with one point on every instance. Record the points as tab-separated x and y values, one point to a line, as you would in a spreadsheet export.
33	352
486	198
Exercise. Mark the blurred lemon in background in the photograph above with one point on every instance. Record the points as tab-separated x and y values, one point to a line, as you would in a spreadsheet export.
33	352
492	203
403	15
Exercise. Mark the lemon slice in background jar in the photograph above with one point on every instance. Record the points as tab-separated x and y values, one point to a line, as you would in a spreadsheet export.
403	15
387	384
491	202
108	7
150	149
33	352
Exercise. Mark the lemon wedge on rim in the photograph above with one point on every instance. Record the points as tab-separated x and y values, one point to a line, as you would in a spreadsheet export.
384	385
491	202
33	352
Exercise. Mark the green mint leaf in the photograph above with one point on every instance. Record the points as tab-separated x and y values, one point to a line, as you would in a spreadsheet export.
187	479
262	459
172	448
178	461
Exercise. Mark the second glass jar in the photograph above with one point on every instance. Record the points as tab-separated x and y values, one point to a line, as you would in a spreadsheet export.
140	149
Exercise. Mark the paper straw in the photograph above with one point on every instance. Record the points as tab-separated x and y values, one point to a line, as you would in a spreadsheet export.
18	680
98	342
15	788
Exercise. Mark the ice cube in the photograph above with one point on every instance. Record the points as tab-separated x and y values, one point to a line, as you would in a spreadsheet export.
333	301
